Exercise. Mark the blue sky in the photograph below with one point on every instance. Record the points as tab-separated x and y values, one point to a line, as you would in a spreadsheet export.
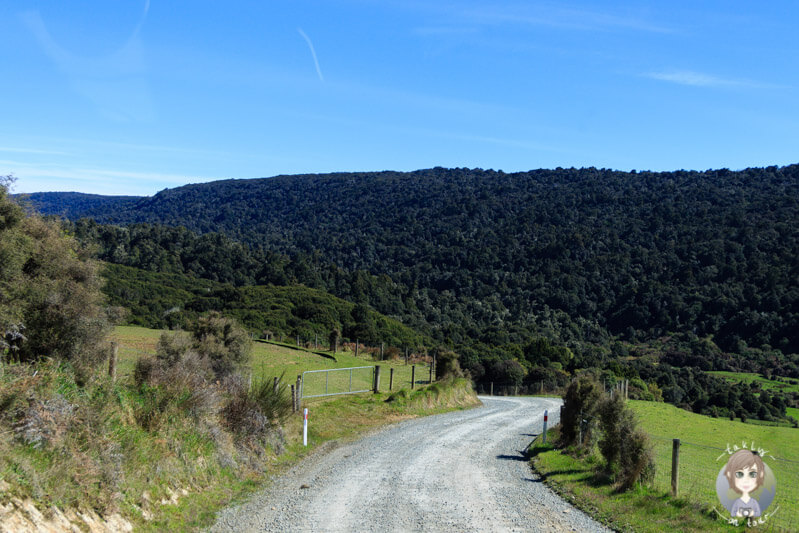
131	97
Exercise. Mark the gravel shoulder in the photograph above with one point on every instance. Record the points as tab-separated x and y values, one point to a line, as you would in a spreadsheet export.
460	471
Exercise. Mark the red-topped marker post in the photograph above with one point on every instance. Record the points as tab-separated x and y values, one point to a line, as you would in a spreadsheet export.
546	417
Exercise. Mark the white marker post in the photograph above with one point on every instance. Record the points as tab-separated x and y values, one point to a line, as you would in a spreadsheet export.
305	427
546	416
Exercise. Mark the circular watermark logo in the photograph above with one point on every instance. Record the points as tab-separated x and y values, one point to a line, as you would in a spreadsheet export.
746	485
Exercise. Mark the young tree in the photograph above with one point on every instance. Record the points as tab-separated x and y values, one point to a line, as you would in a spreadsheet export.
223	341
49	286
335	335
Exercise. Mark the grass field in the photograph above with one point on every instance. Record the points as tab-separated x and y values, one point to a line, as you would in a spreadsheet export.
274	359
781	384
702	455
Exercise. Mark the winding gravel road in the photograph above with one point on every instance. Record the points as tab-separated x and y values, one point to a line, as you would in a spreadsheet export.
460	471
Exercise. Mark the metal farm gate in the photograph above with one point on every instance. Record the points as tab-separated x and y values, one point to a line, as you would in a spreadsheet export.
335	381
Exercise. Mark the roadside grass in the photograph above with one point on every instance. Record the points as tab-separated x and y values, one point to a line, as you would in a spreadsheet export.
86	448
639	510
330	419
702	455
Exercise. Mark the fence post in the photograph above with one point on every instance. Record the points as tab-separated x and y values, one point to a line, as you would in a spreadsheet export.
293	400
305	427
431	373
546	413
356	347
382	352
299	392
492	389
276	385
391	379
377	379
675	466
413	376
112	362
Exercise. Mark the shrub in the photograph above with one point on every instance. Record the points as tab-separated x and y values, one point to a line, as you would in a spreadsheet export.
636	460
579	406
447	365
172	347
226	344
615	420
185	386
50	287
626	449
257	412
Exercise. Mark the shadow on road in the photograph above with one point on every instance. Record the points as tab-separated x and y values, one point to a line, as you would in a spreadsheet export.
520	457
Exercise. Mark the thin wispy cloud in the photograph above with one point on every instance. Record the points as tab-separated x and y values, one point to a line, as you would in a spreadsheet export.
700	79
36	151
555	16
44	177
313	53
114	81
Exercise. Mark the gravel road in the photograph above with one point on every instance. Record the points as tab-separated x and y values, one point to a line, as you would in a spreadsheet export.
460	471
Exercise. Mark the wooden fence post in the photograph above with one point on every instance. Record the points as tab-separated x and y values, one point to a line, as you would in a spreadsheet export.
112	362
492	389
431	373
356	347
382	352
276	385
675	466
413	376
299	392
293	400
391	379
377	379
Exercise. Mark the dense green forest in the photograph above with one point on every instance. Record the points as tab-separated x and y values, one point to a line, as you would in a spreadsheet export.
602	266
164	300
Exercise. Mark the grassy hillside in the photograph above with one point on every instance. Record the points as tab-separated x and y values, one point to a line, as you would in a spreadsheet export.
776	383
275	359
702	455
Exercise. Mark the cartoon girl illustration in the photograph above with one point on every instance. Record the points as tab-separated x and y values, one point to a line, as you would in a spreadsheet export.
745	472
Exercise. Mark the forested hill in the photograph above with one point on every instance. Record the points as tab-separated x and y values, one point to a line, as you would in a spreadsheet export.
76	204
489	255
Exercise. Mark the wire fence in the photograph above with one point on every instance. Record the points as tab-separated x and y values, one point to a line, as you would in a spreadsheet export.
699	467
337	381
512	389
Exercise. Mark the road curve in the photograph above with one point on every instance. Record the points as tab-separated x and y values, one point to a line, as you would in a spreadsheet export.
460	471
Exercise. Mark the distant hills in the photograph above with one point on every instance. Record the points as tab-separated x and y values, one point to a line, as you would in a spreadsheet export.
577	255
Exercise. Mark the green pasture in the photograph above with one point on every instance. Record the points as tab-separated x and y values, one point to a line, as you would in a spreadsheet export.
704	441
274	359
778	383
